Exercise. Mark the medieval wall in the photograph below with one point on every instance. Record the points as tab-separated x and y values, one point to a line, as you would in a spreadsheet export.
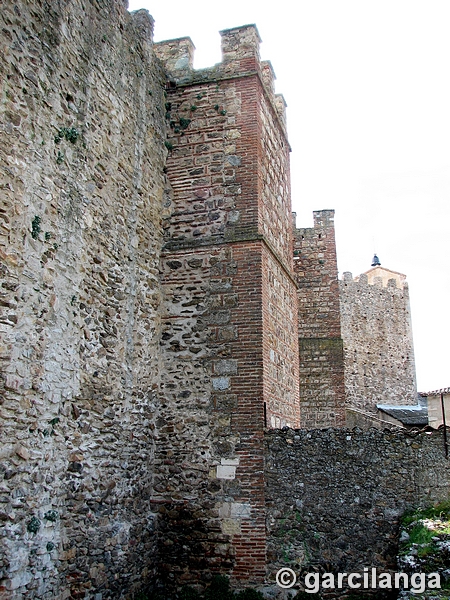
82	150
378	342
334	496
322	393
149	309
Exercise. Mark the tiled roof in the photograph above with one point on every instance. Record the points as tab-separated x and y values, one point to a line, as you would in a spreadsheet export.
436	392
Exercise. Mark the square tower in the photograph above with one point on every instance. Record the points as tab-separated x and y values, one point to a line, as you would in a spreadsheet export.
230	342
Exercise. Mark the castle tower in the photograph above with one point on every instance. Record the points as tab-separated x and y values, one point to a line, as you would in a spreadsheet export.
229	343
378	341
322	393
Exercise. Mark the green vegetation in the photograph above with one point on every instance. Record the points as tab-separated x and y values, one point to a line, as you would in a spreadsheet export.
36	227
184	123
51	515
425	539
68	133
420	534
441	511
33	525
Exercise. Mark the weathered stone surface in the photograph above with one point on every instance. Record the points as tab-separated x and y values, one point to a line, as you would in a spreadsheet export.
149	317
229	326
82	184
378	341
322	391
334	496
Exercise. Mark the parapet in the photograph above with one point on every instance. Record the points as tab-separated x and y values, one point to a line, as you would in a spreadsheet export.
378	277
323	218
240	53
144	23
240	56
240	43
176	55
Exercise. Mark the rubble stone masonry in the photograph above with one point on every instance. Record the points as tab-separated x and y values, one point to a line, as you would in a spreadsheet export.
378	341
82	188
335	496
152	314
231	318
322	392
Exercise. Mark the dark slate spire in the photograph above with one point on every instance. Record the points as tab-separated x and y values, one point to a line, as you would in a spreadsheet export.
376	261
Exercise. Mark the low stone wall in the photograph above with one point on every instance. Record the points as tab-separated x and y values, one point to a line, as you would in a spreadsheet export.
334	496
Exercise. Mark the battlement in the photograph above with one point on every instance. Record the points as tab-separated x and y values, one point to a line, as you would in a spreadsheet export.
378	277
322	219
240	53
378	343
239	43
177	54
240	58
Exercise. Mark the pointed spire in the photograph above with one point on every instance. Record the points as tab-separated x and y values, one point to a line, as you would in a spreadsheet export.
376	261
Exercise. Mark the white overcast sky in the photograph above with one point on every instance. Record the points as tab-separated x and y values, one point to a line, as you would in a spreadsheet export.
368	93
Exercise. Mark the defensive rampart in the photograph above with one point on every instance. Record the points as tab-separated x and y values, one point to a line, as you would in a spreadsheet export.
378	340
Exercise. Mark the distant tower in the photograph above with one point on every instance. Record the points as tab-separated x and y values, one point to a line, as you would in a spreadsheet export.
375	261
378	342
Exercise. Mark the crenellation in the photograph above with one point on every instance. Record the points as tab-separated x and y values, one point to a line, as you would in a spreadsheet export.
347	276
240	48
143	23
268	75
177	55
280	105
322	394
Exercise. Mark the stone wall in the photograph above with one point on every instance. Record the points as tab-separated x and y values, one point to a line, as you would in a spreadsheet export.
322	393
83	156
378	342
149	310
334	496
